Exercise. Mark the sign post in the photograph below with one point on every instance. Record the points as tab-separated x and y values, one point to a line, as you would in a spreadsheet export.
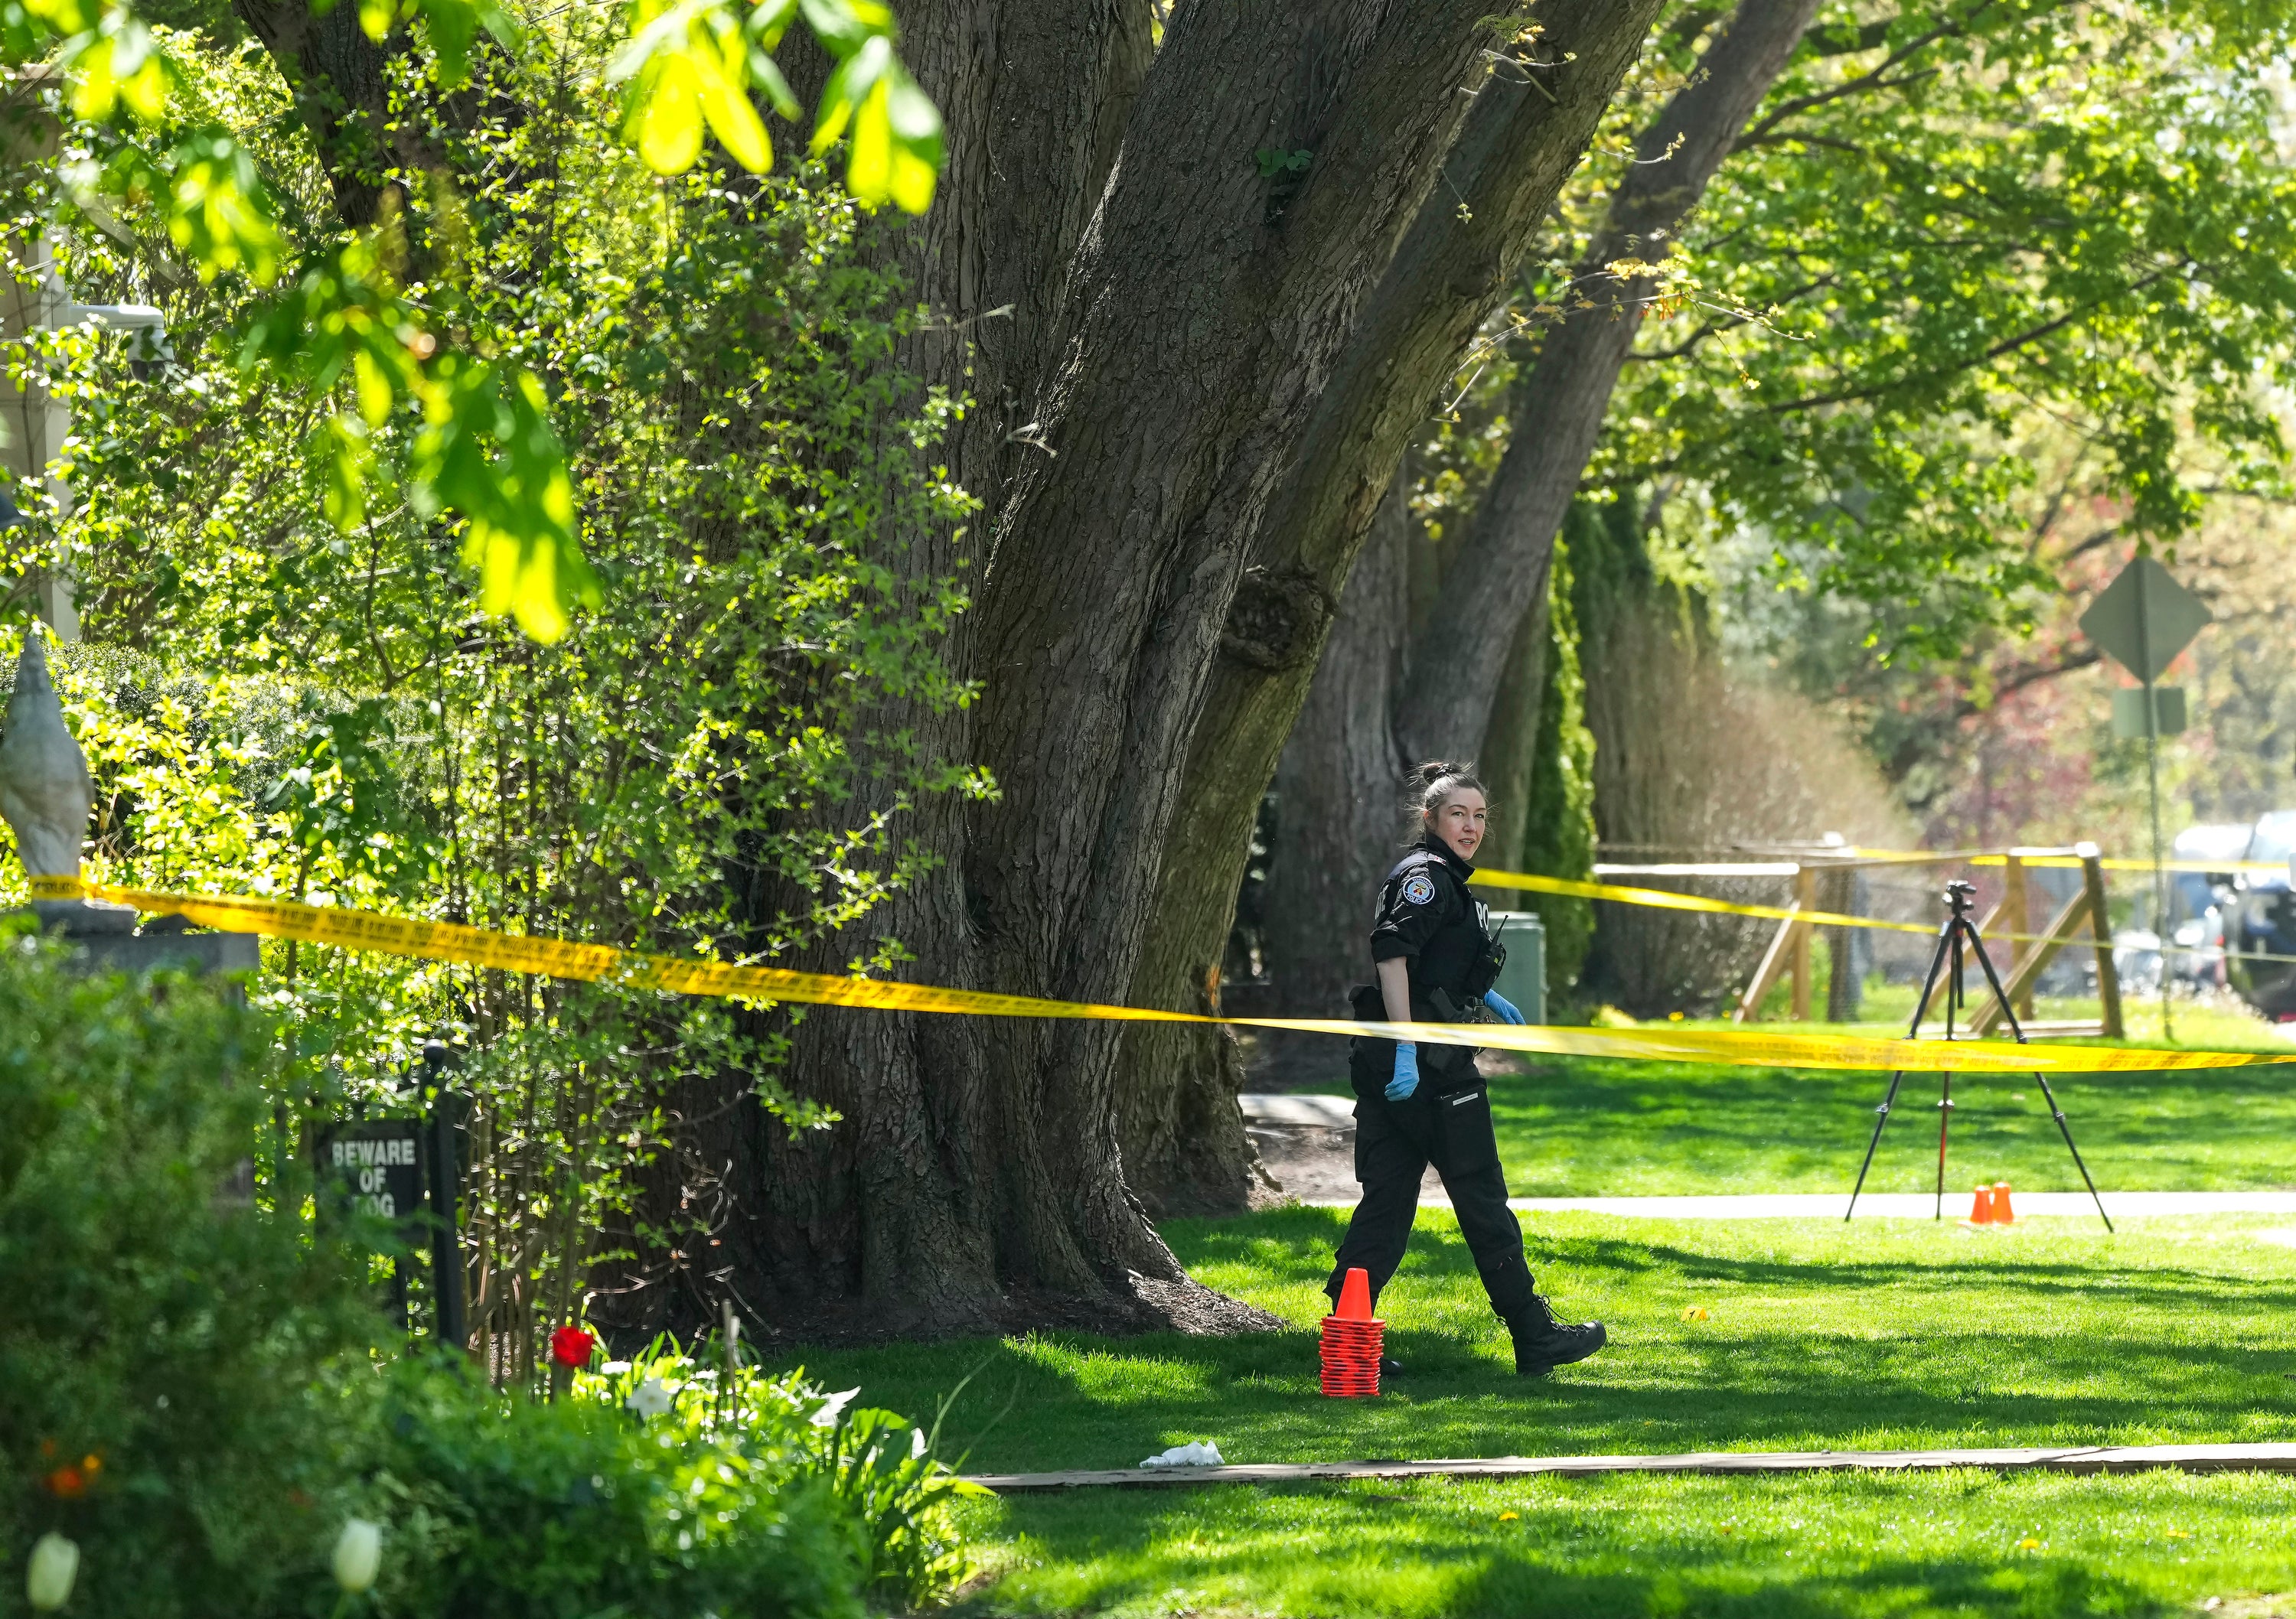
2144	619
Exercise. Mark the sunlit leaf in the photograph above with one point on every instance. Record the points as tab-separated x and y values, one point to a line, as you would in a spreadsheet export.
869	167
488	454
736	123
668	119
850	82
218	211
350	463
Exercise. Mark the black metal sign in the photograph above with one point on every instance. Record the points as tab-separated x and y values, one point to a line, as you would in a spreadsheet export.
376	1168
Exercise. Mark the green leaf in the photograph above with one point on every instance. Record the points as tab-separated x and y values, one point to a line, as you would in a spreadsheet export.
218	210
350	463
850	84
666	121
489	453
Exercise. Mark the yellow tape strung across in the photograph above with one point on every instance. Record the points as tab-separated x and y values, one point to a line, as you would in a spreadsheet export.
1666	900
2267	868
595	963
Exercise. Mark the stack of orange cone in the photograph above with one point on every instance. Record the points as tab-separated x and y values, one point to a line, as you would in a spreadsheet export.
1352	1342
1991	1206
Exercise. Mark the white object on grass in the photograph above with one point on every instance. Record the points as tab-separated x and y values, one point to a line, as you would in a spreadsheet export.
1203	1454
834	1407
650	1398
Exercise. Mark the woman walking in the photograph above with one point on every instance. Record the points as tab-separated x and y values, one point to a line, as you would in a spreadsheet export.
1435	962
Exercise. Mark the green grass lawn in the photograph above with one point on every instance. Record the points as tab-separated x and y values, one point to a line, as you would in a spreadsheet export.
1887	1334
1577	1128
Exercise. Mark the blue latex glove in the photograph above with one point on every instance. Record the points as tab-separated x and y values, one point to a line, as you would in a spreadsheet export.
1501	1005
1406	1072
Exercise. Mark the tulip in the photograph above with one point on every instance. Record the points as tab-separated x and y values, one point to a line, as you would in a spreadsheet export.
832	1407
358	1555
54	1565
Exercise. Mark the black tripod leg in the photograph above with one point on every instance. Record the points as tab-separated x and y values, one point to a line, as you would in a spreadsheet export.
1883	1118
1929	987
1992	979
2063	1129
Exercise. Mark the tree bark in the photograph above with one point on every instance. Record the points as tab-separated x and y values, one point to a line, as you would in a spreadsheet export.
1527	132
1558	406
1339	796
335	73
1204	311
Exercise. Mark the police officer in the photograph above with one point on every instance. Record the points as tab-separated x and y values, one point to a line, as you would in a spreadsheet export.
1420	1104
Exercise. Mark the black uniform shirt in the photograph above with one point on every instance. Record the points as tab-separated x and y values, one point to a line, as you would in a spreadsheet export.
1426	917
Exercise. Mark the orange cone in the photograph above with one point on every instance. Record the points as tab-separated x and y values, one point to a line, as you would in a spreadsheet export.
1980	1207
2002	1213
1355	1297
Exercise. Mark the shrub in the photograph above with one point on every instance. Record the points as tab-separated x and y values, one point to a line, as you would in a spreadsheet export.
498	1506
164	1337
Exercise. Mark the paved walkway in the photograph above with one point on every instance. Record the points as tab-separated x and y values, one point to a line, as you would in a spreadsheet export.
2063	1459
1337	1113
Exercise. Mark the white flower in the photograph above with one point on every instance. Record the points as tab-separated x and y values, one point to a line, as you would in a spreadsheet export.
832	1407
917	1445
614	1368
650	1398
54	1565
358	1555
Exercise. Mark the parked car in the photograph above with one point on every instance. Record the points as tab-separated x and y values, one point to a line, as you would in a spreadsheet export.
2201	902
2262	921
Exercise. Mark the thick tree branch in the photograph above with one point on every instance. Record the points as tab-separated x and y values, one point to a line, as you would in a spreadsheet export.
1557	407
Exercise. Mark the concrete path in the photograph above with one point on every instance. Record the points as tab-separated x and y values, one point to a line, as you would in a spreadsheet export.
2063	1459
1300	1112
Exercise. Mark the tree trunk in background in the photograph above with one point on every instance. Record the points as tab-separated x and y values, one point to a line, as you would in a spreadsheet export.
1339	794
1508	759
1557	407
1451	273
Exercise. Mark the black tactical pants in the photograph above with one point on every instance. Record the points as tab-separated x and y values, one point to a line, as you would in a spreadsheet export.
1395	1142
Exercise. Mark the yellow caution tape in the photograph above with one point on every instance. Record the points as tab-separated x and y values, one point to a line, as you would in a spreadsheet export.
1666	900
2268	868
559	959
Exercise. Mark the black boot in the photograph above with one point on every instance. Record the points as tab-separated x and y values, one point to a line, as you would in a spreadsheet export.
1542	1343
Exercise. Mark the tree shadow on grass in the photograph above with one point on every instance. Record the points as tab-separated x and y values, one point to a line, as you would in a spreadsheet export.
1949	1354
1317	1550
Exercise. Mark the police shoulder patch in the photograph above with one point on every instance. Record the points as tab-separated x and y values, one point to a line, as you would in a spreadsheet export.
1418	888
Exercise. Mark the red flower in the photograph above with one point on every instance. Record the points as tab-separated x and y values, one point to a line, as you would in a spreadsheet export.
571	1346
67	1484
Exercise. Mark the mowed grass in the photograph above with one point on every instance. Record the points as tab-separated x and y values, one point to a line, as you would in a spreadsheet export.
1576	1128
1892	1334
1818	1547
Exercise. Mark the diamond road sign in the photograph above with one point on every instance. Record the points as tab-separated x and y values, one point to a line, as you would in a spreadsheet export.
2144	618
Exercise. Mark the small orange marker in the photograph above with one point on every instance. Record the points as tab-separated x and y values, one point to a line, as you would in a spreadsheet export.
1980	1207
1355	1297
2002	1213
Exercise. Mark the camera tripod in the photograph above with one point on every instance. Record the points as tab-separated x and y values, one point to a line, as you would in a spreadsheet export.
1958	934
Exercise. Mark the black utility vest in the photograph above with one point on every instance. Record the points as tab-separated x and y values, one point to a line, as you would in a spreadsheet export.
1426	915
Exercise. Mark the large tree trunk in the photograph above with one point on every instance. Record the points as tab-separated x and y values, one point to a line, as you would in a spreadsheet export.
1339	793
977	1180
1557	407
1527	132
